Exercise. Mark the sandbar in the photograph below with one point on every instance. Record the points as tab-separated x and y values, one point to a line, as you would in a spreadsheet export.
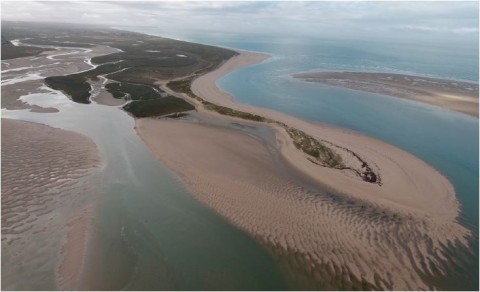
389	235
450	94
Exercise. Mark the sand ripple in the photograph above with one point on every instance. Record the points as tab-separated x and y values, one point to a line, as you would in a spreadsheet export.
43	171
336	241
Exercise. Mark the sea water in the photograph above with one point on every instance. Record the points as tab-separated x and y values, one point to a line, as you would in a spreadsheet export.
447	140
150	232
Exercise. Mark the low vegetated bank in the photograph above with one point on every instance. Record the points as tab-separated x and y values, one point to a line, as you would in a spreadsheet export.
158	107
140	62
133	91
9	51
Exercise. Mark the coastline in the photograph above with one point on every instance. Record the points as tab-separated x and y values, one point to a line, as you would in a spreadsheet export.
241	180
453	95
412	198
405	167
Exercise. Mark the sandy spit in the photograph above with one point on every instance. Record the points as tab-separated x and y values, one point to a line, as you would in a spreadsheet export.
391	235
408	184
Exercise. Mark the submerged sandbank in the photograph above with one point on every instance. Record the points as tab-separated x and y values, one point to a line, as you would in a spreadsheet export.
390	235
450	94
44	181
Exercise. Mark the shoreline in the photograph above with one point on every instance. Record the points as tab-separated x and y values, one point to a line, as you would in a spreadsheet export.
372	150
459	96
411	191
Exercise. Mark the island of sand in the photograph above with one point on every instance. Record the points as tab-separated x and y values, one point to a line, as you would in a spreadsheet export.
450	94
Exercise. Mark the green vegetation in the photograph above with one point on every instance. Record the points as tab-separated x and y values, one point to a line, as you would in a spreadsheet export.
77	89
133	91
184	86
158	107
233	113
10	51
324	155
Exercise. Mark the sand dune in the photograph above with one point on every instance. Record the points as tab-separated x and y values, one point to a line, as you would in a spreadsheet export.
45	180
358	234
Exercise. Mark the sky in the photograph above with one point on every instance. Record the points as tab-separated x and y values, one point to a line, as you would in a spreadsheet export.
455	20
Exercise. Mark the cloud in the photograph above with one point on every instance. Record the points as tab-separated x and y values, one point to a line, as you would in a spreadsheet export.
300	18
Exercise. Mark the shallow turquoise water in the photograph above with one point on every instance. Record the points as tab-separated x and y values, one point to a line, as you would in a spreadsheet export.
447	140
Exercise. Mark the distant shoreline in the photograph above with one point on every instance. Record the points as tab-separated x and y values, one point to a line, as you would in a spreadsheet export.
449	94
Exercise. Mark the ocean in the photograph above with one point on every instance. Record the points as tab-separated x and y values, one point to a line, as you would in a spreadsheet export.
447	140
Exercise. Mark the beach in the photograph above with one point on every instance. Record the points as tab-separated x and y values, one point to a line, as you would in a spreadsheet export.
331	222
45	174
449	94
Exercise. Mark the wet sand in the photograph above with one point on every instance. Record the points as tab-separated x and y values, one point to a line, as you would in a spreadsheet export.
454	95
391	235
74	249
45	175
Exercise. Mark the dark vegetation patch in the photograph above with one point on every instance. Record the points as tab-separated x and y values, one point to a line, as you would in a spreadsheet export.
76	85
158	107
184	86
311	146
232	112
176	115
9	51
77	89
133	91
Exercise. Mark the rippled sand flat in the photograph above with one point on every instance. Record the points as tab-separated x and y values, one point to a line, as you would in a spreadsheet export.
45	183
338	241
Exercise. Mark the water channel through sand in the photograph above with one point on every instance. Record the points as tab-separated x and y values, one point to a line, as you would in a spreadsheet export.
148	231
